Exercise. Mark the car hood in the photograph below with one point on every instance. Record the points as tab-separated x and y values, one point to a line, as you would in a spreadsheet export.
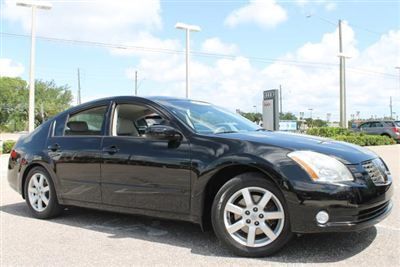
345	152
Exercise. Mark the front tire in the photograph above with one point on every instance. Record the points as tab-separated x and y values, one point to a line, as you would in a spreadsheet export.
40	194
250	217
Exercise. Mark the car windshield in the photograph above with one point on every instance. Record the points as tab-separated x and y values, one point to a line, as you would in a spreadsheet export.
397	123
206	118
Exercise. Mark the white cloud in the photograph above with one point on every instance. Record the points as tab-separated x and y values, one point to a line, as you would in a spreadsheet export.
328	5
9	68
90	20
237	83
264	13
215	45
318	87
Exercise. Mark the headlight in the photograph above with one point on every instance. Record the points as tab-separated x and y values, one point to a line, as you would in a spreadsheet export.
320	167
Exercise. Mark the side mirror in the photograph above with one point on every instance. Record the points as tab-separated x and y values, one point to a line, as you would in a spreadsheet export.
163	132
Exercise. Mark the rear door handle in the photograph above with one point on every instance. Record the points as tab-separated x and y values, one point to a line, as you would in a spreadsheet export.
54	147
111	149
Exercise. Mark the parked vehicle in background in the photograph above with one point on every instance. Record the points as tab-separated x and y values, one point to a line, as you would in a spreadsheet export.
385	128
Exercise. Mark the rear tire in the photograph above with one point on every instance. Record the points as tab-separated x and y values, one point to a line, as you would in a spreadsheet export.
249	215
40	194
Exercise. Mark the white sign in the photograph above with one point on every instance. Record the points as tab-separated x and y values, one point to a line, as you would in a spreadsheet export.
287	125
270	110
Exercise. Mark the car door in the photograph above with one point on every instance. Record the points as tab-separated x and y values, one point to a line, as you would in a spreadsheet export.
365	127
376	128
139	172
74	149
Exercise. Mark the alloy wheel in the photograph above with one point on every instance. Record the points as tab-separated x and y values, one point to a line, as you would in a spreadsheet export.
254	217
39	192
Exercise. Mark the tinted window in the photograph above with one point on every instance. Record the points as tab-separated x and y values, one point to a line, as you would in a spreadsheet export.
364	125
376	124
206	118
88	122
390	124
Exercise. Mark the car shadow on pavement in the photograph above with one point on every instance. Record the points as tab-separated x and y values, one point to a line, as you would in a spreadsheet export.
311	248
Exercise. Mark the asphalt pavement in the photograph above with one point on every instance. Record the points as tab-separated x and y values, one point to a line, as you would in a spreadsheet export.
83	237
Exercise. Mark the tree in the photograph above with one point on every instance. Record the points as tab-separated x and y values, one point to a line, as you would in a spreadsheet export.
52	99
288	116
13	103
14	94
254	117
316	123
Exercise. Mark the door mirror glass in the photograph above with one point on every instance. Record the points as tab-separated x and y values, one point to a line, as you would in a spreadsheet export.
163	132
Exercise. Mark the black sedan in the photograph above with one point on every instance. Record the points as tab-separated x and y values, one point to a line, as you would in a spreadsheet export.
190	160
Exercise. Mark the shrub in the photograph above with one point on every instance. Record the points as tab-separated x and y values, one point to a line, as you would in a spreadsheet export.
342	134
328	131
366	140
7	146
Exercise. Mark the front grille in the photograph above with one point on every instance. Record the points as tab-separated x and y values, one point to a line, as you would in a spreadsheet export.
375	172
372	213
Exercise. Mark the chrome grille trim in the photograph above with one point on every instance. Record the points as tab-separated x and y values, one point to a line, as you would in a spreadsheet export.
377	176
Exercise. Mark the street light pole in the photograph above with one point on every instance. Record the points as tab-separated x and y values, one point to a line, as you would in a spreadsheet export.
31	116
188	29
342	80
33	5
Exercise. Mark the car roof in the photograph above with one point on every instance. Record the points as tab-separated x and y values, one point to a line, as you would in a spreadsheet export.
118	98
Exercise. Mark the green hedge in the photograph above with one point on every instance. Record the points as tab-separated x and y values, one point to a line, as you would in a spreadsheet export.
329	131
7	146
346	135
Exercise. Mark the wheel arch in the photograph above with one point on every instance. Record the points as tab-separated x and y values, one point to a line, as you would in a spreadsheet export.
224	175
28	169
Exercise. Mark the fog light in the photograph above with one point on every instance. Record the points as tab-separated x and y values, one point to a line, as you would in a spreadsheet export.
322	217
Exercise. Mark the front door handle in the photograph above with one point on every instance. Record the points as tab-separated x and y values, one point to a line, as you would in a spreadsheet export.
111	149
54	147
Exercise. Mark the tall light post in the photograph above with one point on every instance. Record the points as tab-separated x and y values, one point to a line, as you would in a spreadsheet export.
188	29
33	5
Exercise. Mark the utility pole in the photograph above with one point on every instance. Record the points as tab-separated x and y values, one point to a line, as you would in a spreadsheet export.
342	80
78	99
391	108
280	99
136	83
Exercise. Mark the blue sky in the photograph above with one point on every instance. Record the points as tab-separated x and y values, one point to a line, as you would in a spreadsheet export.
242	29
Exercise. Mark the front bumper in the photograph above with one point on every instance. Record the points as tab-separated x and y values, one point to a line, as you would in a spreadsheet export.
351	207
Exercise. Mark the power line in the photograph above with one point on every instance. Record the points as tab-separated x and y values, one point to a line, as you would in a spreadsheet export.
201	54
329	21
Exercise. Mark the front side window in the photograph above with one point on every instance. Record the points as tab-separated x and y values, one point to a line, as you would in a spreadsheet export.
88	122
365	125
208	119
133	120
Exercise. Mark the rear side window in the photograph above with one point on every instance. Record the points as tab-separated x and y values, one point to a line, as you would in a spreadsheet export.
376	124
88	122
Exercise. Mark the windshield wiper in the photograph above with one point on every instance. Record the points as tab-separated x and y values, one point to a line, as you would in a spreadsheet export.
226	132
262	129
